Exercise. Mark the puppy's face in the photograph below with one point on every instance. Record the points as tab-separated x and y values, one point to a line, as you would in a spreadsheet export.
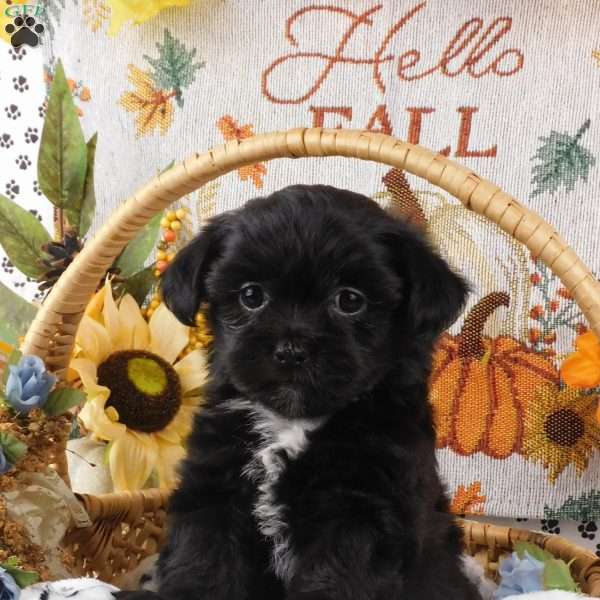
315	295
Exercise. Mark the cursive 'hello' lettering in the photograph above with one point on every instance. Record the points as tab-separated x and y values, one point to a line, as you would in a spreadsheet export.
472	52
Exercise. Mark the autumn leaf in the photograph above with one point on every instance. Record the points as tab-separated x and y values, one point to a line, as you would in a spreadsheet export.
95	14
562	161
174	69
154	106
254	173
404	203
468	500
231	130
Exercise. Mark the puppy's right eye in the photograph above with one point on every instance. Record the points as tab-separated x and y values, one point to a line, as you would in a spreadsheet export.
252	296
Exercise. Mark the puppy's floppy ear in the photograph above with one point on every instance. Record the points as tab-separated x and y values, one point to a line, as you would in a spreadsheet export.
434	293
184	282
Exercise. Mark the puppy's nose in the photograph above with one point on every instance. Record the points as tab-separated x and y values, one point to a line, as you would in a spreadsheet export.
290	354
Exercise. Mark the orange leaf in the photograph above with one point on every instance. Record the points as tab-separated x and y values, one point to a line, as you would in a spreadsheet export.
230	129
253	172
468	500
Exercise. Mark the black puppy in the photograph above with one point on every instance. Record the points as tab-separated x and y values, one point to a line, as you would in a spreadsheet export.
311	471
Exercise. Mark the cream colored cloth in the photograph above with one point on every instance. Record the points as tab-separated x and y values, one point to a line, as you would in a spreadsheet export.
466	78
47	508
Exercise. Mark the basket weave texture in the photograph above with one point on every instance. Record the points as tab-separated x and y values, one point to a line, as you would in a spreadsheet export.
127	527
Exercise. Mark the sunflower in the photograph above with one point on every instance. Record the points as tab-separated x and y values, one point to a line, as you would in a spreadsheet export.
140	398
561	429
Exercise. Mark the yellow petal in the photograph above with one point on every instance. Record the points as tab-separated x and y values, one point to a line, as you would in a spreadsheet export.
135	328
181	425
94	307
131	460
168	435
96	421
93	339
170	456
88	373
169	336
112	321
192	370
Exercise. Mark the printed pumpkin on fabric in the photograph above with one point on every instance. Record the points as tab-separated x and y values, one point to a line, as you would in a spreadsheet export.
465	79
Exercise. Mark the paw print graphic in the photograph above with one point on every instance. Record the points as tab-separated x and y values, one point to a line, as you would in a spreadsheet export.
17	53
7	266
551	526
598	550
42	110
12	111
24	31
20	83
31	135
588	530
12	189
37	215
6	140
36	188
23	161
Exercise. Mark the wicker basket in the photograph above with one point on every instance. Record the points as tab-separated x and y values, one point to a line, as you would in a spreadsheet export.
127	527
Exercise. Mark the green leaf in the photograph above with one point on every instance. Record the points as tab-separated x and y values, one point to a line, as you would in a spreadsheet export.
80	216
584	508
533	550
62	158
63	399
557	576
22	237
22	578
134	255
16	314
167	167
13	358
175	68
13	449
562	162
139	285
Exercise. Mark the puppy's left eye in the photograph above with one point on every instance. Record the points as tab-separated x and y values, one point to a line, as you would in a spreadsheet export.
349	301
252	296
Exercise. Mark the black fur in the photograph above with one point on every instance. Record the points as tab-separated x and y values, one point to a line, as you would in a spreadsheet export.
365	511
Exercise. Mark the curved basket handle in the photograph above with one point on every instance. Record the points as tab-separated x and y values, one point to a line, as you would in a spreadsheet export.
52	333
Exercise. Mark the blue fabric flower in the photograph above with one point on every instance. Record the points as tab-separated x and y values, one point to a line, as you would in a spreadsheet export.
520	576
9	590
28	384
5	466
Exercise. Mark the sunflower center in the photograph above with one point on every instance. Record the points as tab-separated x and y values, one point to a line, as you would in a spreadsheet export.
564	427
144	389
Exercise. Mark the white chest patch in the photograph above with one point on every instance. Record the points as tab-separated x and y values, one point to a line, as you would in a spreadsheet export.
281	439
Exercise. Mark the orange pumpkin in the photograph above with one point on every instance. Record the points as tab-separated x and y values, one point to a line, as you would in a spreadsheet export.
480	386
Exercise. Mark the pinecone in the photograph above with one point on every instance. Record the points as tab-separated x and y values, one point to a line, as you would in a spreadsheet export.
60	256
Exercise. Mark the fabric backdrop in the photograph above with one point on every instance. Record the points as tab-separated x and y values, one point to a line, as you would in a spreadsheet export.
508	88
